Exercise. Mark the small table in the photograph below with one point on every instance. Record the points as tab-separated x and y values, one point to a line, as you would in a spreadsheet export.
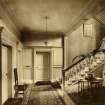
81	84
97	82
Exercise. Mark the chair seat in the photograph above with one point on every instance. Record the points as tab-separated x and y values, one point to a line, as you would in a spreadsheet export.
20	87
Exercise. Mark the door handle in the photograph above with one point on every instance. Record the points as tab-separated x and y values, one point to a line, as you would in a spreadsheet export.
6	74
27	66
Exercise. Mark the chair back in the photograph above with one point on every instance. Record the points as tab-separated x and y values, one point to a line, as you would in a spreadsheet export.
16	76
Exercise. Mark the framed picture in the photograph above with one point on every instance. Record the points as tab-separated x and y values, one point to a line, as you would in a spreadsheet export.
88	30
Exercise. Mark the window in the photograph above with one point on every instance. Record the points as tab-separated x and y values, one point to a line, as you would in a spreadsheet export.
87	30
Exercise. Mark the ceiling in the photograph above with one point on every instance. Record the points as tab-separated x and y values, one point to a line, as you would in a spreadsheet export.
101	17
29	15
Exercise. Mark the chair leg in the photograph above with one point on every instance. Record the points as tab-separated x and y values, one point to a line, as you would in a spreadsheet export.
15	95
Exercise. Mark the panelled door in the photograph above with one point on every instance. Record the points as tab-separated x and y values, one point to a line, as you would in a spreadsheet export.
36	66
4	74
27	66
42	69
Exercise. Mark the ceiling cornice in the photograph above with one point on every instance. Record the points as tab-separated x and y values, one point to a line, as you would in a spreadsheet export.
40	35
32	32
97	14
103	25
8	21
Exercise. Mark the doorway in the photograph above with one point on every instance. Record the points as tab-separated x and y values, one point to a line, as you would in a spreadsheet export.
6	73
42	71
36	65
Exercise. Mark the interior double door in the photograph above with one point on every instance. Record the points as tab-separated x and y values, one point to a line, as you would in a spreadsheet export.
36	65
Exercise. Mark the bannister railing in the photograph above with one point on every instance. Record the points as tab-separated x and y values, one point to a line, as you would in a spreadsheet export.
68	70
81	67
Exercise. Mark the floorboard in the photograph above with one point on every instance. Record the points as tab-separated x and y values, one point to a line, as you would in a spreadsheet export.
13	101
94	96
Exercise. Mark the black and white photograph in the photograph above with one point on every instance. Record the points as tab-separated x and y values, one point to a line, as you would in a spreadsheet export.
52	52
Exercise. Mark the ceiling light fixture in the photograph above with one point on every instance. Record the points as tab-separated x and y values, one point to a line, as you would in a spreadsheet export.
46	23
46	20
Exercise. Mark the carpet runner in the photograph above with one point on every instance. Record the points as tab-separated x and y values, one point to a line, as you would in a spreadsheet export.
42	95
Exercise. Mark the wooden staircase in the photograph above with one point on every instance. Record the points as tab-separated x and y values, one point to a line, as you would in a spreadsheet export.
79	70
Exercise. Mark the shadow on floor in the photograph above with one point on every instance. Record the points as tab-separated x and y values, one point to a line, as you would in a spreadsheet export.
13	101
94	96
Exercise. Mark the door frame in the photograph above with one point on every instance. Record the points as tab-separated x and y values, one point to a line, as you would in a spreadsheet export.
1	28
9	69
35	55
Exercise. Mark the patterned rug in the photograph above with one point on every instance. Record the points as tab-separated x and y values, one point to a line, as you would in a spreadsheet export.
43	95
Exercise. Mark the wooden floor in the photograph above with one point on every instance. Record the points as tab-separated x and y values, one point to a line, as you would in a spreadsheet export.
12	101
48	95
93	96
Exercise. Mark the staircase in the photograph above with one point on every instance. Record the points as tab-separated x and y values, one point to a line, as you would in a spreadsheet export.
88	64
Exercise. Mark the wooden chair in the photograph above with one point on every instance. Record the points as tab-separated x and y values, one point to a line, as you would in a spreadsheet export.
19	88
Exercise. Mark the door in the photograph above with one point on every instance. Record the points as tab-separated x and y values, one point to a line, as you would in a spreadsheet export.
4	74
42	71
27	66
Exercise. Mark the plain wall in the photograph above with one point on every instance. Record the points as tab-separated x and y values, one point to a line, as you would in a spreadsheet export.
77	43
54	45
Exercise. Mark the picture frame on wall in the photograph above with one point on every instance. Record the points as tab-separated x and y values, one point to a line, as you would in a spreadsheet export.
88	30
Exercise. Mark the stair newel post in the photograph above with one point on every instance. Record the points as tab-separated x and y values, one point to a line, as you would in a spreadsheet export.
63	78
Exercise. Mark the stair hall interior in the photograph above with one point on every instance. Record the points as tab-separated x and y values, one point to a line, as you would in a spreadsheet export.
52	52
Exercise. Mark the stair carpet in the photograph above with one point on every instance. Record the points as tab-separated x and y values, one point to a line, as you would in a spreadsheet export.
81	69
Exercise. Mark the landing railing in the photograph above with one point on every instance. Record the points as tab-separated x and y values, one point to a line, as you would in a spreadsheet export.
89	63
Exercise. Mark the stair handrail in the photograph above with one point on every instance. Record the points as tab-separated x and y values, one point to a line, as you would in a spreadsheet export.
72	65
85	56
